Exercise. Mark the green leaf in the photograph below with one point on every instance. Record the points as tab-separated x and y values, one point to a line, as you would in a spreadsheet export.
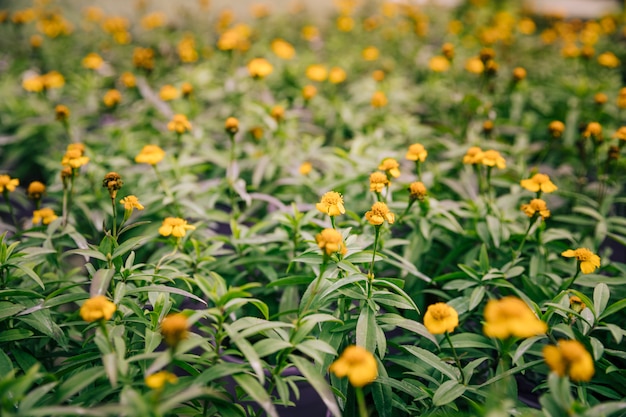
163	288
248	352
6	365
448	392
257	392
382	393
484	258
366	329
601	295
31	274
433	361
8	309
318	382
606	409
129	245
100	282
77	382
612	309
476	297
408	324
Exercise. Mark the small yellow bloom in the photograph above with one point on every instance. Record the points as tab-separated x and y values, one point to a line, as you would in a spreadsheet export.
620	133
337	75
305	168
128	79
556	128
283	49
231	125
379	99
131	202
600	99
45	215
417	190
378	181
371	53
526	26
112	98
593	130
53	79
61	112
308	92
8	184
510	316
519	74
174	328
277	112
357	364
391	166
92	61
310	33
536	206
186	89
150	154
576	304
175	226
473	156
589	261
113	182
379	213
569	357
609	60
259	68
441	318
439	63
158	380
539	183
475	65
447	49
378	75
33	84
331	241
74	158
153	20
416	152
35	190
168	93
143	58
97	308
492	158
345	23
331	204
179	124
316	72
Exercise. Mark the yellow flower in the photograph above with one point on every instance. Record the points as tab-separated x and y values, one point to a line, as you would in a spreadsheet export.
74	157
536	206
417	190
391	166
310	33
492	158
378	181
556	128
277	113
539	183
357	364
186	88
236	38
379	213
283	49
45	215
187	49
439	64
474	65
158	380
526	26
519	74
593	130
131	202
153	20
569	357
112	98
371	53
473	156
600	99
97	308
92	61
113	182
576	304
150	154
379	99
441	318
416	152
174	328
168	93
175	226
331	241
128	79
316	72
61	112
308	92
589	261
259	68
33	83
8	184
510	316
305	168
231	125
35	190
53	79
143	58
378	75
620	133
609	60
179	124
331	204
447	49
336	75
345	23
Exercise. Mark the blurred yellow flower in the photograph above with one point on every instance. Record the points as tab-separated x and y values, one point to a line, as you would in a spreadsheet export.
277	112
186	89
259	11
519	74
620	133
526	26
112	98
283	49
174	329
187	49
576	304
378	75
231	125
609	60
417	190
492	158
44	215
439	63
150	154
143	58
336	75
473	156
371	53
536	206
474	65
379	213
92	61
556	128
569	358
61	112
153	20
305	168
33	83
510	316
310	33
128	79
330	241
175	226
168	92
345	23
378	181
357	364
600	99
8	184
309	91
539	183
441	318
316	72
97	308
74	157
379	99
416	152
390	166
35	190
593	130
179	124
158	380
331	204
588	260
53	79
131	202
259	68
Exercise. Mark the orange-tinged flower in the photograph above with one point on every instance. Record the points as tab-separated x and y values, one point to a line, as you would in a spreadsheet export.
609	60
33	84
441	318
492	158
331	204
439	63
8	184
44	215
308	92
310	33
112	98
536	206
277	112
593	130
305	168
337	75
447	49
371	53
92	61
330	241
378	75
186	89
588	260
61	112
473	156
175	226
519	74
168	92
158	380
153	20
150	154
74	157
143	58
417	190
131	202
128	79
283	49
259	68
510	316
53	79
390	166
231	125
358	364
475	65
174	329
345	23
539	183
379	99
620	133
378	181
576	304
416	152
569	358
179	124
379	213
97	308
556	128
316	72
35	190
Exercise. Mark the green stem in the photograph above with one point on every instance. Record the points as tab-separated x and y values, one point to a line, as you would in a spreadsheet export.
567	284
105	332
10	207
114	218
518	252
456	358
332	222
370	274
317	283
167	190
360	399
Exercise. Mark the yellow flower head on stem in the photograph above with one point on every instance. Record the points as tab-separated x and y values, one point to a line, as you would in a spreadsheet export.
61	112
417	190
556	128
379	213
112	98
174	328
441	318
337	75
45	215
390	166
305	168
8	184
92	61
569	358
113	182
168	93
97	308
330	241
277	112
473	156
593	131
331	204
439	63
492	158
179	124
231	125
308	92
131	202
620	133
283	49
536	206
358	364
150	154
588	260
539	182
259	68
175	226
74	157
128	79
416	152
35	190
510	316
316	72
576	304
378	181
379	99
158	380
